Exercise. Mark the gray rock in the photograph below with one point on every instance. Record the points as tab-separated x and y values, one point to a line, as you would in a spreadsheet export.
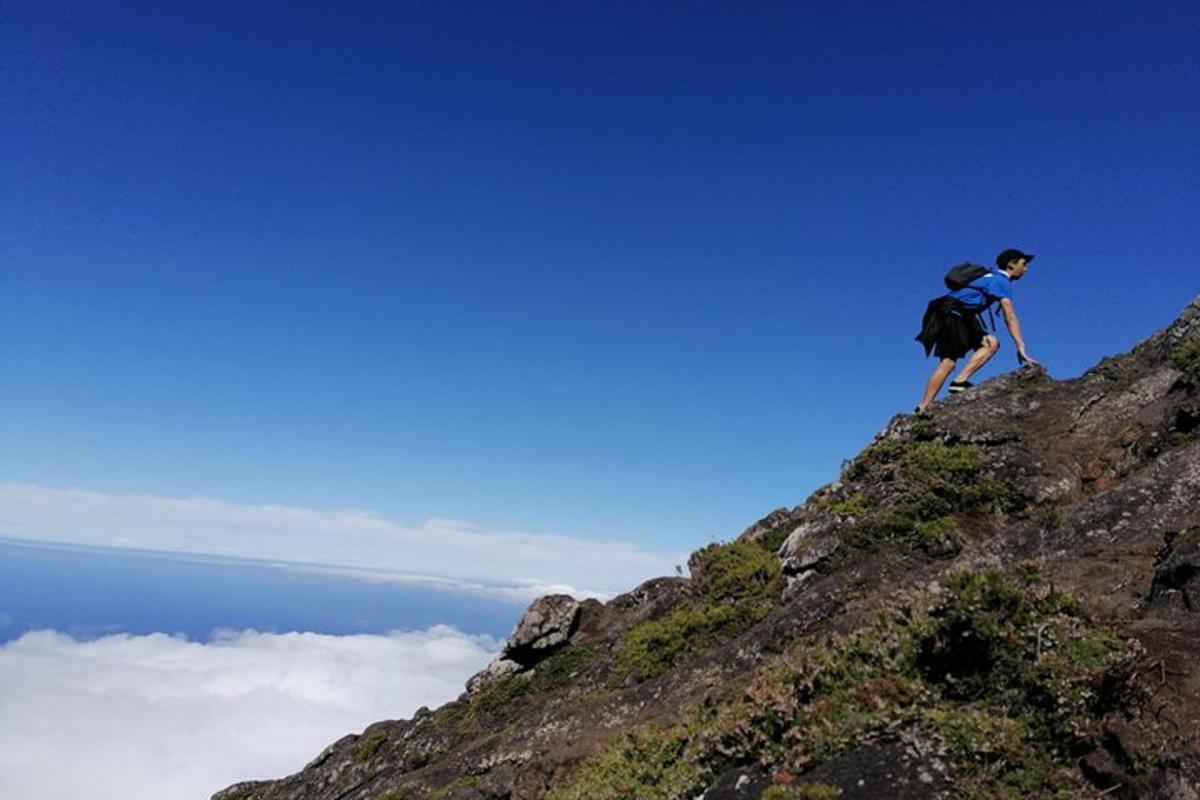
1177	578
809	544
547	623
499	668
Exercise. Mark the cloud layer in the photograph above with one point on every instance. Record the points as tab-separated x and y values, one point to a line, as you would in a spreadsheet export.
154	717
360	540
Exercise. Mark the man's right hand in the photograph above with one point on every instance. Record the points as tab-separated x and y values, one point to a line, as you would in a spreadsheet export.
1026	359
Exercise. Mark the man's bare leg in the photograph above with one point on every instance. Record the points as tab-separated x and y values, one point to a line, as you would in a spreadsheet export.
980	357
934	385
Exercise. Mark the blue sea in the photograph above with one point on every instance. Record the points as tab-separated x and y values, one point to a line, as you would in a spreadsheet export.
90	592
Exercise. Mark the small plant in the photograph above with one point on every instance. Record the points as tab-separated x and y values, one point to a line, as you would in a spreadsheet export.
857	505
465	782
368	746
739	582
1187	356
936	481
649	764
1051	518
552	673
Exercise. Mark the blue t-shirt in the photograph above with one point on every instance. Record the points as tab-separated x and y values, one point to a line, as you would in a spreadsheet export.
993	286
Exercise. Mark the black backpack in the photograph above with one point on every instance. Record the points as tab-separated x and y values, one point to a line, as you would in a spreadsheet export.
958	277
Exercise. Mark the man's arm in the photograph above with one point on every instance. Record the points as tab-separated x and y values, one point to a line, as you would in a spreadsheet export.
1014	328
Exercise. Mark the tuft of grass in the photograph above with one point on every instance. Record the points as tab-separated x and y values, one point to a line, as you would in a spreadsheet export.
1051	518
648	764
1187	356
774	539
936	481
739	582
464	782
368	746
554	672
857	505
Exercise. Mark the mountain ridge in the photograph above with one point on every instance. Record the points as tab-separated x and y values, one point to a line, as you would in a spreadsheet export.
999	599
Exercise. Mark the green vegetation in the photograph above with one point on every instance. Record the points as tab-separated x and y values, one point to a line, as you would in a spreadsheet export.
555	671
739	583
649	764
935	481
1187	356
774	539
857	505
1051	518
465	782
1009	677
368	746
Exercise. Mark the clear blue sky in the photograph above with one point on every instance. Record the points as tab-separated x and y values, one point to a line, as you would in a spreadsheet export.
617	270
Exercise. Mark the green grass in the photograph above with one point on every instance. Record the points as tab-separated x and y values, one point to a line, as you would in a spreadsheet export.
930	482
556	671
465	782
739	582
1187	356
368	746
649	764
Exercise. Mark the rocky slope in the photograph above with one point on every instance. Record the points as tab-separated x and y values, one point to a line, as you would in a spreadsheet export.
1001	599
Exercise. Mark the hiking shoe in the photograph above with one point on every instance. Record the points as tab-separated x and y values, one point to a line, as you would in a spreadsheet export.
959	386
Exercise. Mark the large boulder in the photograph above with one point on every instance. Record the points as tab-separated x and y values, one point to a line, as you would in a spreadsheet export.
811	542
546	625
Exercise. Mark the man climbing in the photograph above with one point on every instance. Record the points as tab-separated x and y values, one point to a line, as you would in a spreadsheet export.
952	325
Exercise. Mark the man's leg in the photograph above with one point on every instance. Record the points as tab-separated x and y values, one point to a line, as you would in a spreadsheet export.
934	385
980	357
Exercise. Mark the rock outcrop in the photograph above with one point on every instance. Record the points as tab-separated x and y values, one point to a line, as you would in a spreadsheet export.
547	624
1001	599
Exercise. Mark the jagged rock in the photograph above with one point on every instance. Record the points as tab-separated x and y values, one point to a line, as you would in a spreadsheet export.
497	669
744	783
893	769
777	519
809	544
1180	572
547	623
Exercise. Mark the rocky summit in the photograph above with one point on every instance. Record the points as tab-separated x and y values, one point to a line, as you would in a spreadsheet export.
1000	599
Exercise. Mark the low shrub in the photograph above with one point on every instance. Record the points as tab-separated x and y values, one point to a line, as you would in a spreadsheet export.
368	746
1187	355
648	764
556	671
934	481
738	581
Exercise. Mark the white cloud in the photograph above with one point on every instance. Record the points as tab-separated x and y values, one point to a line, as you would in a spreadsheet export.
362	541
521	592
155	717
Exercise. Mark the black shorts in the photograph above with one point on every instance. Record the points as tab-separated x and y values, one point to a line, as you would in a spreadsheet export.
958	336
950	330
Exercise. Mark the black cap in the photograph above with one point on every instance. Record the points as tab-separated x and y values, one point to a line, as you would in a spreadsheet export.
1012	254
